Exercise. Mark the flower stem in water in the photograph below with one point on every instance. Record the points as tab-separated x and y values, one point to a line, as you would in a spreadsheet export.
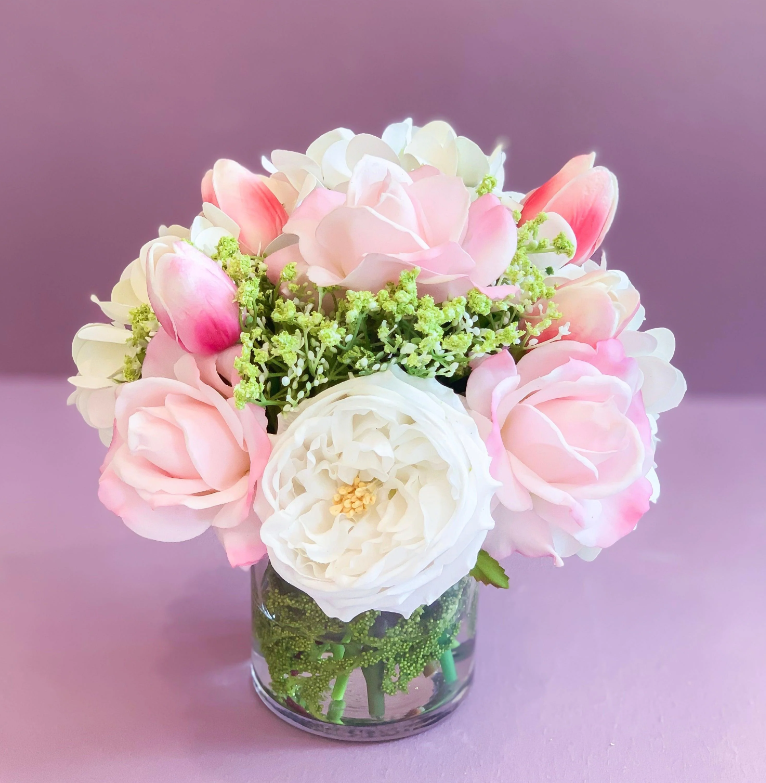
447	662
376	701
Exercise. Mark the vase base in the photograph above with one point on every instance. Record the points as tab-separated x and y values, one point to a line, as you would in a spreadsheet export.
364	731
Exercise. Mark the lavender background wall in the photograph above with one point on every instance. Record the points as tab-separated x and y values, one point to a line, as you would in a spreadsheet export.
112	111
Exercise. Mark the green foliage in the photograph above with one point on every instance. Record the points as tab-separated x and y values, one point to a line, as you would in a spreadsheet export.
298	339
306	650
144	325
488	571
487	185
535	293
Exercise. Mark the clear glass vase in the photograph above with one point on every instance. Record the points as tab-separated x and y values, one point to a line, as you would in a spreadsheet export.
378	677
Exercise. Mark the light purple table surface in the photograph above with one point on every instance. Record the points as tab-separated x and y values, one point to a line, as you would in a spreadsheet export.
126	661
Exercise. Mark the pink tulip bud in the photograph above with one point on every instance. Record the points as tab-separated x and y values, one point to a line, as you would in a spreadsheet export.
586	197
194	299
247	200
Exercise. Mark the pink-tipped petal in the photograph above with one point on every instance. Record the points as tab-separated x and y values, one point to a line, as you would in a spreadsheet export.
588	204
208	191
195	300
537	200
249	202
619	515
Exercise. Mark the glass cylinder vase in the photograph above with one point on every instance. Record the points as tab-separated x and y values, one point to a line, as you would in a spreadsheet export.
378	677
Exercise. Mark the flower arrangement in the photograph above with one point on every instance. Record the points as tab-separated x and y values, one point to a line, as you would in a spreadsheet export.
379	368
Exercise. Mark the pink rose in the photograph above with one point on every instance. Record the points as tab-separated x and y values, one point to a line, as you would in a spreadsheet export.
248	200
571	443
596	303
184	458
389	221
194	300
586	197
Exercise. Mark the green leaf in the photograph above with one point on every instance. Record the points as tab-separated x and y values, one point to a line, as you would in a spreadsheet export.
488	571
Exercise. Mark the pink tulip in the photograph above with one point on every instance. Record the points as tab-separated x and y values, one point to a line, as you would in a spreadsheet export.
194	299
586	197
248	201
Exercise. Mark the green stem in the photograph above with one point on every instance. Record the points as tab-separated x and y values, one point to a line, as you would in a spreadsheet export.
447	663
376	700
339	689
338	705
335	711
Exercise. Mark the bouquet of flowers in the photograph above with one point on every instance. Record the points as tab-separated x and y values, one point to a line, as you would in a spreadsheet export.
380	369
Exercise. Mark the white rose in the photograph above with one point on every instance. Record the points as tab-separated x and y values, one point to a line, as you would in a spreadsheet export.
424	513
330	159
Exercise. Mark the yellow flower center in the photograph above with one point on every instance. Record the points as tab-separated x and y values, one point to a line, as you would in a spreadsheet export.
353	499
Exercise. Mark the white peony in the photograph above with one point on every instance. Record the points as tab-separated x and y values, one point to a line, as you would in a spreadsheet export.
330	159
420	520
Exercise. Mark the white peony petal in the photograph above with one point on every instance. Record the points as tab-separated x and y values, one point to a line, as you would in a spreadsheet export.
365	144
99	350
90	382
207	240
550	229
435	144
293	162
666	343
318	148
268	165
115	311
473	165
335	170
497	170
398	135
219	218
